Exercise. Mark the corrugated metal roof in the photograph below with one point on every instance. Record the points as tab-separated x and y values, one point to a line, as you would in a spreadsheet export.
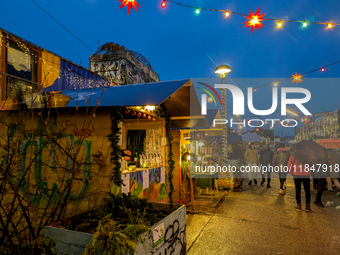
126	95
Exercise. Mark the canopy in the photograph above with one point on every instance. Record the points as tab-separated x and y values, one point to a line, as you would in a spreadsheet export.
251	137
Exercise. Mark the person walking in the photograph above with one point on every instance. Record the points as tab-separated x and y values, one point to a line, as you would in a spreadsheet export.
266	159
301	176
321	177
252	157
280	159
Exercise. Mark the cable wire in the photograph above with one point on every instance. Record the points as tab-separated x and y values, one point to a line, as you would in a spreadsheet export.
63	26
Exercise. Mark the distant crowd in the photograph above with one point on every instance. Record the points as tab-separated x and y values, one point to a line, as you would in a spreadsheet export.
303	174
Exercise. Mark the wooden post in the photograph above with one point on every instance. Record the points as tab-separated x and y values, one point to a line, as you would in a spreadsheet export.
191	188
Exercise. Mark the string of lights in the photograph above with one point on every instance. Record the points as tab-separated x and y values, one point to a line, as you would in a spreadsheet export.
254	19
297	77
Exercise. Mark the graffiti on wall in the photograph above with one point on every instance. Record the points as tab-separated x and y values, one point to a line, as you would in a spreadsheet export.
52	165
85	132
175	242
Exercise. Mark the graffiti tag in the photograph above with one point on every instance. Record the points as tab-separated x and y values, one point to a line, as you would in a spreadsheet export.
85	132
175	240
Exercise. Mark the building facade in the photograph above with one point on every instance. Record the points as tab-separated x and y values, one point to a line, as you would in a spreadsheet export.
322	125
27	68
122	66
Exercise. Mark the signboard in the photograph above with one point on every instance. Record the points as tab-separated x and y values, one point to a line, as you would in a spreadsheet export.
158	235
126	180
145	179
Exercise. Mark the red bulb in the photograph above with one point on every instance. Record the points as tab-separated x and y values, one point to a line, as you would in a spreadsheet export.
322	69
255	90
163	4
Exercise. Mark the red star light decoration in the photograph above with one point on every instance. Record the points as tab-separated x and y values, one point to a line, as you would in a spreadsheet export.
296	78
129	4
254	20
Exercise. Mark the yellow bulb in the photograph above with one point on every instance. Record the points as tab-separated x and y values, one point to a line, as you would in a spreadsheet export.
330	25
227	14
275	84
279	24
254	21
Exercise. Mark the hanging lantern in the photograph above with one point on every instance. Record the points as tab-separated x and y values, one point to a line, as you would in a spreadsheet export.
153	119
127	111
139	115
144	115
149	117
134	113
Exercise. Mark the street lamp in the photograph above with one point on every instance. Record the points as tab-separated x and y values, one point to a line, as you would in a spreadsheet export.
222	70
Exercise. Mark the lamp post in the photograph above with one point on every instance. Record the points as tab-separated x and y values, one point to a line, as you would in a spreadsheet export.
222	70
295	116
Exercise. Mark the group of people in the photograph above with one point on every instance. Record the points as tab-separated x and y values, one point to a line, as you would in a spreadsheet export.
254	157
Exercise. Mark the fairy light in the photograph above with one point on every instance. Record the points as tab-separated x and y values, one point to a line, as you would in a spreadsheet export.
163	4
304	24
322	69
227	14
197	11
329	25
275	84
279	24
254	21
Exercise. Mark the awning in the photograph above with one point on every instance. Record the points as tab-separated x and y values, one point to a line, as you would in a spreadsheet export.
177	97
154	93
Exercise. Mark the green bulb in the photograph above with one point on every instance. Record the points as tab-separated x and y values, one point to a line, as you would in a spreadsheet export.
304	24
197	11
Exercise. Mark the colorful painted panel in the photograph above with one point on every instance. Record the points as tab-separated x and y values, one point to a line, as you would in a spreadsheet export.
156	190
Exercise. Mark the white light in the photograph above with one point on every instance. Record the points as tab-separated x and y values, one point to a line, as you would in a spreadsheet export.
223	70
292	113
150	108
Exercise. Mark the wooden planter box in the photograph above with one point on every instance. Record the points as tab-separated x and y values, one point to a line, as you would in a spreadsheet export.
170	240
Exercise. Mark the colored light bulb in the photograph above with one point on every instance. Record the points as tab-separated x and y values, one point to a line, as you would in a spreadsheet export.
279	24
255	90
329	25
322	69
227	14
163	4
304	24
197	11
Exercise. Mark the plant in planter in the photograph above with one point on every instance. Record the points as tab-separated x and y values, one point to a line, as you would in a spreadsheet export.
117	224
